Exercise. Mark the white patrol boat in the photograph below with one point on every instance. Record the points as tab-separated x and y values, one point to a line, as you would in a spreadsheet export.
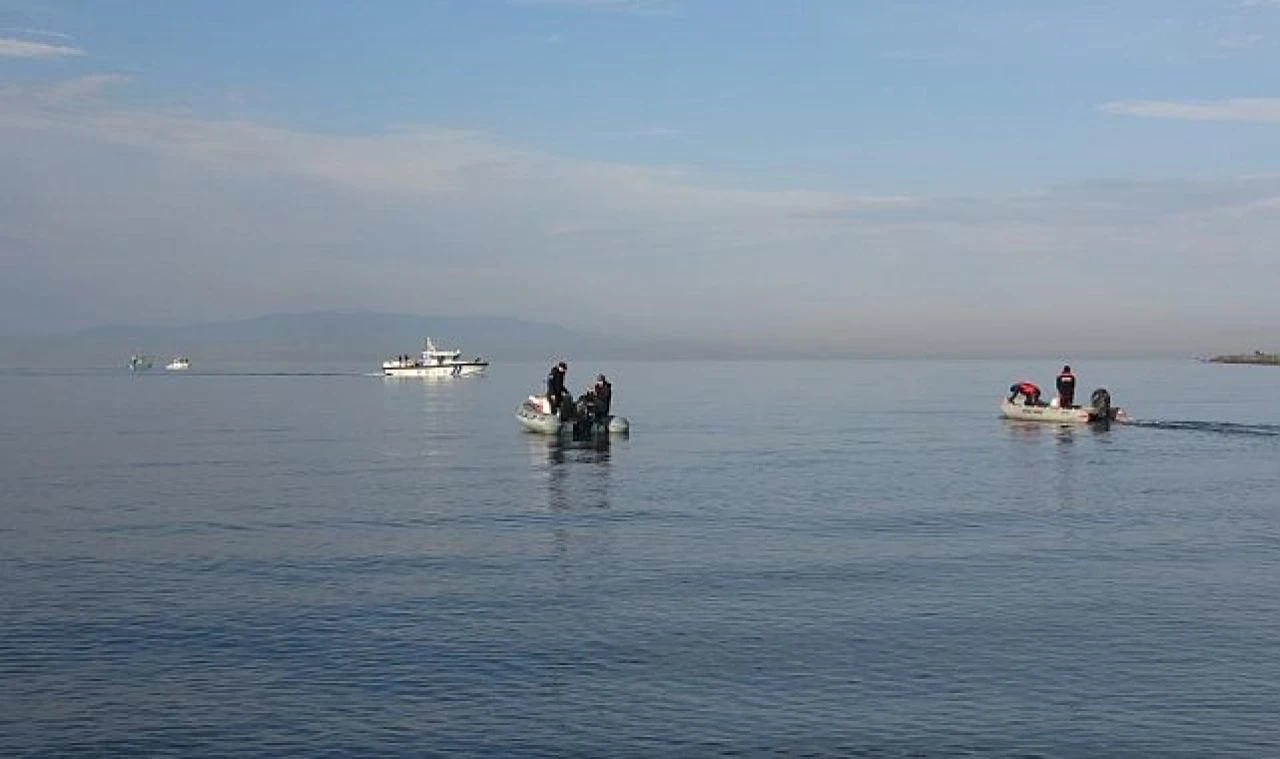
433	363
1098	410
534	415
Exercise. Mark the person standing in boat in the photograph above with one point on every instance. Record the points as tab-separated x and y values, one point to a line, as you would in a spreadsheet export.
1030	393
603	392
555	385
1066	387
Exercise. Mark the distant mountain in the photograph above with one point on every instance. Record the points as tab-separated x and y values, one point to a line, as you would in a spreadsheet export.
330	337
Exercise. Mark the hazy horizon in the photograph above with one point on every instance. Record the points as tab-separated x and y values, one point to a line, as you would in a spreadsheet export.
832	178
362	335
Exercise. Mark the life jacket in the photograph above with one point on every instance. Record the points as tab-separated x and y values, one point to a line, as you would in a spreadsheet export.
1027	389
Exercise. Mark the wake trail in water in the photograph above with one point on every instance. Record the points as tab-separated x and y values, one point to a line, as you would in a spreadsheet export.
283	374
170	375
1214	428
270	374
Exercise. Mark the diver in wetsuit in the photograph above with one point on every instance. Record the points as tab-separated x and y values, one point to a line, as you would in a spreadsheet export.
603	393
555	385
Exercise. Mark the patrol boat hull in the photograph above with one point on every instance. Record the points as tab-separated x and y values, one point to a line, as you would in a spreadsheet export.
433	371
434	363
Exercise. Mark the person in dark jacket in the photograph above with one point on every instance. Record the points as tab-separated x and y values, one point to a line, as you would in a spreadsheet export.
1030	393
603	393
555	385
1066	387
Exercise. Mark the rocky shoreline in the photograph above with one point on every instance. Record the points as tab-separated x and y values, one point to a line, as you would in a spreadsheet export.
1257	357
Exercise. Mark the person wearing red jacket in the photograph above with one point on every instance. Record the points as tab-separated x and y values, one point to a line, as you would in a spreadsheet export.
1066	388
1030	393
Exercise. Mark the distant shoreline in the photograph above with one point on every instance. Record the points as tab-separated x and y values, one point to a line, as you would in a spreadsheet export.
1257	357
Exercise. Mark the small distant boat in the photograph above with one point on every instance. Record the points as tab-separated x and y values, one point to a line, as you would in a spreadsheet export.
534	415
434	362
1098	410
179	364
139	362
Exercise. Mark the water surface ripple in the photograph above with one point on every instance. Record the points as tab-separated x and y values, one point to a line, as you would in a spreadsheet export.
827	559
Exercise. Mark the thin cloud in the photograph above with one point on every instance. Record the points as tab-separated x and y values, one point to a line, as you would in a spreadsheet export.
1241	41
1265	207
1231	109
29	32
11	47
410	161
267	218
651	133
636	7
660	131
82	87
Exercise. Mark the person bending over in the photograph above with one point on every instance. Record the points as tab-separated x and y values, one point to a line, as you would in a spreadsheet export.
1029	392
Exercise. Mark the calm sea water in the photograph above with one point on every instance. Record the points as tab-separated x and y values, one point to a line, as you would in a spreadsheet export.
833	558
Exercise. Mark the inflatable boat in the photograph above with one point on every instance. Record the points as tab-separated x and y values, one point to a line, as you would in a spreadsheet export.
1098	410
534	415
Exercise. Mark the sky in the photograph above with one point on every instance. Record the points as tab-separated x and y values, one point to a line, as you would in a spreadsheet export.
861	177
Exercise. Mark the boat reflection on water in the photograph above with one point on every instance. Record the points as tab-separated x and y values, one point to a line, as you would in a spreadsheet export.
1045	460
577	474
1065	433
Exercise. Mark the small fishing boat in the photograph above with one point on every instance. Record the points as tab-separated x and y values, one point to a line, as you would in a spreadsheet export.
179	364
140	362
1098	410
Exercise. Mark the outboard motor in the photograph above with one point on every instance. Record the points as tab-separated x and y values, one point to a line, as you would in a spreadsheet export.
568	410
1101	402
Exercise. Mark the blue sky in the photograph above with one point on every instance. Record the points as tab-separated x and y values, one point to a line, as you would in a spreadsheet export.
851	176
